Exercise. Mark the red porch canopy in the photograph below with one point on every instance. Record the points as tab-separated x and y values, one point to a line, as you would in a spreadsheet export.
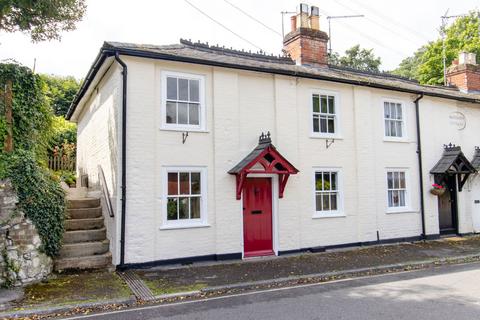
263	159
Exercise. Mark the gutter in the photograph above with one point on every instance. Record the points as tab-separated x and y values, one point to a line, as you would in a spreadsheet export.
420	165
124	160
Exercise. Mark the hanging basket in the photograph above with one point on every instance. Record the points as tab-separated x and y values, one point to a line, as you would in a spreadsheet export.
437	191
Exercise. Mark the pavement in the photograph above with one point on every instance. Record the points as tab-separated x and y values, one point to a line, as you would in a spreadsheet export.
442	293
90	292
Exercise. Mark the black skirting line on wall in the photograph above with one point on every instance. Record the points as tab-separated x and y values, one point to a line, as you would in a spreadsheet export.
359	244
468	234
184	261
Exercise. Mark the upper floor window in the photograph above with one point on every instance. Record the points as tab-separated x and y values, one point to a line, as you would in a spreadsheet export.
325	114
183	107
394	119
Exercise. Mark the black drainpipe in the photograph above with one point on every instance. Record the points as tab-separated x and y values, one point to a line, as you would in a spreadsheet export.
420	166
124	160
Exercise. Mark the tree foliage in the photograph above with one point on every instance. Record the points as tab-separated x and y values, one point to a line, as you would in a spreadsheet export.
426	65
42	19
60	92
357	58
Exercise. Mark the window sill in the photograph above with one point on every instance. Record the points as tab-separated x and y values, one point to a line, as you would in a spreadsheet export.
400	210
184	226
184	129
325	136
318	215
392	139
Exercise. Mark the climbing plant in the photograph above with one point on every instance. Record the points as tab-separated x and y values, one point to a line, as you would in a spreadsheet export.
40	195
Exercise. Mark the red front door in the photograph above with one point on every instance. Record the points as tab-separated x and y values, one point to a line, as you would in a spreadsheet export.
257	217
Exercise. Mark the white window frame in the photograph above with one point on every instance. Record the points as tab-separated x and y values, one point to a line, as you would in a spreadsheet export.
406	207
404	137
340	209
185	223
326	135
202	106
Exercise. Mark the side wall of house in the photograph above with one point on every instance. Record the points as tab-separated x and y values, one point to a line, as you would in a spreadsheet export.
98	145
240	105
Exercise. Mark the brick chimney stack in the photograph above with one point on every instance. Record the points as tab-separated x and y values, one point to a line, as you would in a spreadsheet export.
464	73
305	43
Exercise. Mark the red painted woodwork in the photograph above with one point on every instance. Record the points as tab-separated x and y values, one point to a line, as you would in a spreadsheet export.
257	217
272	162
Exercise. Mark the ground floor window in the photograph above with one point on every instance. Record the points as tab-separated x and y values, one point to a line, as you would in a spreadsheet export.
327	192
184	195
396	189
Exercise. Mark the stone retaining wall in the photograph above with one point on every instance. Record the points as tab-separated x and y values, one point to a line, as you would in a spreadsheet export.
21	258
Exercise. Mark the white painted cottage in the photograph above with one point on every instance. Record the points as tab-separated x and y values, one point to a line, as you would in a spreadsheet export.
213	153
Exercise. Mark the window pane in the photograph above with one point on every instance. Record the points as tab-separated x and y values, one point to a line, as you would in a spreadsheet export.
318	202
183	208
193	113
323	124
396	180
331	104
195	207
326	202
182	113
323	100
331	125
195	182
390	198
390	180
184	183
396	199
172	88
399	129
402	180
171	112
182	89
387	128
402	198
172	183
386	110
172	209
316	124
326	181
333	201
316	103
194	90
318	181
399	111
393	129
393	111
334	181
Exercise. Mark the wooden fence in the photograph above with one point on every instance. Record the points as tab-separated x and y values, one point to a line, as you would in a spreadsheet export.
57	163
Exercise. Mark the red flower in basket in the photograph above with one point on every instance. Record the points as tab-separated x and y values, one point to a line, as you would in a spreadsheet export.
437	186
437	189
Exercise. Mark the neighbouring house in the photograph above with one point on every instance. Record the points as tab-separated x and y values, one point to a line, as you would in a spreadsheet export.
214	153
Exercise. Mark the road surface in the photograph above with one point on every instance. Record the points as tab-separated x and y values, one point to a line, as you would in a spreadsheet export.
448	292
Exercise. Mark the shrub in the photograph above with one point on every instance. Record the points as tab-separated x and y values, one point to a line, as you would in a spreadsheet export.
40	197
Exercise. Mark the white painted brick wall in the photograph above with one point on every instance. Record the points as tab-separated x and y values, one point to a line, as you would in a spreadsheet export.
240	105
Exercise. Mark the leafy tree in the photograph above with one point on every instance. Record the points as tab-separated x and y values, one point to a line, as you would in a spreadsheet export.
427	63
42	19
60	92
357	58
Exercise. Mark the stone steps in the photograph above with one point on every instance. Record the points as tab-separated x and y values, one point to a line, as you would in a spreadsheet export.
85	235
84	213
85	243
84	249
84	262
83	203
84	224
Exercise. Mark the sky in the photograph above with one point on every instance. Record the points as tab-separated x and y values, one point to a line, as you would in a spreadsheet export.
394	29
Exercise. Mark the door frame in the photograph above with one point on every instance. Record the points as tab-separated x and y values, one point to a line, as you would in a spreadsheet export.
274	179
453	206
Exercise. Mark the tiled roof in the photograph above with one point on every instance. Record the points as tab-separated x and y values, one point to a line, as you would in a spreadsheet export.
476	159
453	160
203	53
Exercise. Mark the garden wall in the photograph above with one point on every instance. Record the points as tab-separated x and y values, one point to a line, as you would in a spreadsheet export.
21	258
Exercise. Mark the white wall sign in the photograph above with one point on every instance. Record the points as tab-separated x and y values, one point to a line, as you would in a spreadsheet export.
458	120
